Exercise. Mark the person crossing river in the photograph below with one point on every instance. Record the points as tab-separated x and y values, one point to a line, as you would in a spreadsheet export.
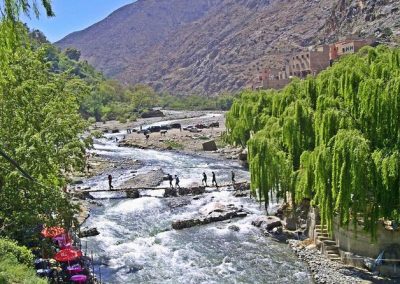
214	180
170	178
204	180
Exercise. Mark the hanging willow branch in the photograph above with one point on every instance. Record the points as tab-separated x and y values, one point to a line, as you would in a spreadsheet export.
334	138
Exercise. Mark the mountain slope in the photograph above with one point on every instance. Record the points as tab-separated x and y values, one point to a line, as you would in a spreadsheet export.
210	46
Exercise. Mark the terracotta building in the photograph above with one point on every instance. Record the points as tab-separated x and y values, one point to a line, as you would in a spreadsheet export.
270	79
348	46
304	63
309	62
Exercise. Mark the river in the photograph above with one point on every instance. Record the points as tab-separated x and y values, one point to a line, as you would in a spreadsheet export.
137	244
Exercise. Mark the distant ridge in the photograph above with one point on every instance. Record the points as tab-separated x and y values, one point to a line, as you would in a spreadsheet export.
210	46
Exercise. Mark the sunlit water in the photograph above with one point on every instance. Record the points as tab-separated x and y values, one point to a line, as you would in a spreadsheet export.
138	245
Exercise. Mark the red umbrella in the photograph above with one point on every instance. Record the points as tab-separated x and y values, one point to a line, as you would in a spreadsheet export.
52	232
68	254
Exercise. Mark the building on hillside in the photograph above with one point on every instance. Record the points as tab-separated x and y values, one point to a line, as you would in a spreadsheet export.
348	46
309	62
270	79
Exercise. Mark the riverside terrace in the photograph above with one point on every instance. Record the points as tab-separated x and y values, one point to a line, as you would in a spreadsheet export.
61	260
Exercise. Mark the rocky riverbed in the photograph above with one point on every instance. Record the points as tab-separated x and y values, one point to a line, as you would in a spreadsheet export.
326	271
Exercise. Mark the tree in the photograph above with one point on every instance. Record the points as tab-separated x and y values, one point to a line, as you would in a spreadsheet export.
143	97
39	127
11	9
334	139
73	53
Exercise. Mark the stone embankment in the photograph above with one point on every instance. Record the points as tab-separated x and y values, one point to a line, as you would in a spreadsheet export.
326	271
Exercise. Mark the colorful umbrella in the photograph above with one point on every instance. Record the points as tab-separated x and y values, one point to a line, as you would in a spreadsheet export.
52	232
68	254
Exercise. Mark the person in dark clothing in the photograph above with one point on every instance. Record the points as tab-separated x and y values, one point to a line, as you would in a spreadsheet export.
110	182
170	178
177	181
204	180
214	180
233	177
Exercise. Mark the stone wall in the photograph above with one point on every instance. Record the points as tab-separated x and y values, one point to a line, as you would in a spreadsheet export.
360	242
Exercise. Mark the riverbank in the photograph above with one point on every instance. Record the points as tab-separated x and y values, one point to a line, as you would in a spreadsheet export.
179	140
326	271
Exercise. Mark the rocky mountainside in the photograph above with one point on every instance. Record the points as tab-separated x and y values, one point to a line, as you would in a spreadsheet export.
210	46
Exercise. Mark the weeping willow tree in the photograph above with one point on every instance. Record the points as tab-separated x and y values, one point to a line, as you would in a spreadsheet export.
11	9
334	139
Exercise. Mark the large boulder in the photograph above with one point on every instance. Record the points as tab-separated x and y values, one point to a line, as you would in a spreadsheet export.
88	233
267	222
212	207
170	192
243	155
213	212
195	190
241	193
210	146
245	186
152	113
132	194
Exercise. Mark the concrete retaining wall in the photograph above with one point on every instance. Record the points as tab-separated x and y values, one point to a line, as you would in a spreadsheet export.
360	242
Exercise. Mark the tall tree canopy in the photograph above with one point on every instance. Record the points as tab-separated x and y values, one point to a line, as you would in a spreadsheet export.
40	129
334	139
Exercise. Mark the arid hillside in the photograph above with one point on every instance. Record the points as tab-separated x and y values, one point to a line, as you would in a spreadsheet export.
210	46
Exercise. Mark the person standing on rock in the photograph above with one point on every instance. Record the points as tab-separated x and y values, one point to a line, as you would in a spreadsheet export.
233	177
170	178
177	181
204	180
110	182
214	180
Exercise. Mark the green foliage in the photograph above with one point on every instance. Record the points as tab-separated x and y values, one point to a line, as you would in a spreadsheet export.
97	133
16	264
73	53
334	139
11	9
13	272
195	102
39	127
21	254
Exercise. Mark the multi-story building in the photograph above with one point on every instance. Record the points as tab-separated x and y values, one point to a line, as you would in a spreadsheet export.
309	62
347	46
270	79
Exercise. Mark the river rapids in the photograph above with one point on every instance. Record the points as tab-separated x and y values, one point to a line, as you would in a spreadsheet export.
137	244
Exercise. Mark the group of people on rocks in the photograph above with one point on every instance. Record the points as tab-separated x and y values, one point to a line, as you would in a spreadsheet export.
203	181
171	179
214	180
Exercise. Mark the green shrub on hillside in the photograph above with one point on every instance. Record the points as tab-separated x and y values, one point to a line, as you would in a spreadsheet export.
16	264
22	254
13	272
